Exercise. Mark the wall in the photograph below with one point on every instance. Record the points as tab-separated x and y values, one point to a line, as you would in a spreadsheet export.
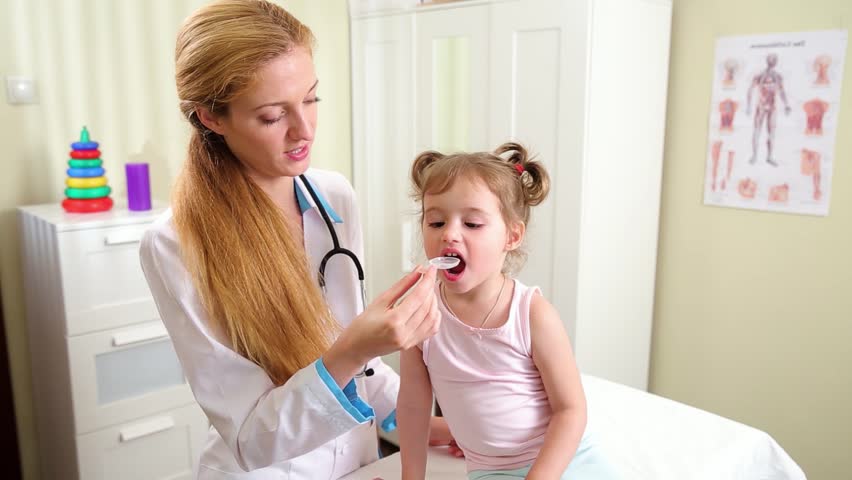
753	315
109	65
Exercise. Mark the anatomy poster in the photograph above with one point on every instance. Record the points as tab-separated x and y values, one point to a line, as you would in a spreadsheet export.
773	121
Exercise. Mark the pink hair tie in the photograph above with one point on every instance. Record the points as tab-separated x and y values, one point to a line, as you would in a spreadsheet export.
519	168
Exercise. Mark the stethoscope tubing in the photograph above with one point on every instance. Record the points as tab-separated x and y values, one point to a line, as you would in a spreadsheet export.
337	250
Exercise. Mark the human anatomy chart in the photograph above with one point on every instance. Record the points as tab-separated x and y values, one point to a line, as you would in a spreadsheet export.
773	121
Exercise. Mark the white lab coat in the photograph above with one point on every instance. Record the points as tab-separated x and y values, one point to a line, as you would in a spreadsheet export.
306	428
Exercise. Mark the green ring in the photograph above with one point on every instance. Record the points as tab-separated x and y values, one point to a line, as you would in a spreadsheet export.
76	163
96	192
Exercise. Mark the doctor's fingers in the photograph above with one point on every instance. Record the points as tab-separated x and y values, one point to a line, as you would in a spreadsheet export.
420	294
389	297
427	327
423	323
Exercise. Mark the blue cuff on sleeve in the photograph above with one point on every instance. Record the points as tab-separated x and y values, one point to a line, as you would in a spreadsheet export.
348	397
389	423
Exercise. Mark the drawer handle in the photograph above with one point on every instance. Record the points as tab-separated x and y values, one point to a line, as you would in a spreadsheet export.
144	429
139	335
124	237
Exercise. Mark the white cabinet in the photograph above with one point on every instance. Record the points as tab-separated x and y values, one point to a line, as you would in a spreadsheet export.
110	397
93	299
582	83
164	446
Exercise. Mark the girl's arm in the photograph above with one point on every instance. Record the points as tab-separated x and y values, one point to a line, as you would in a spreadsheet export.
414	412
551	352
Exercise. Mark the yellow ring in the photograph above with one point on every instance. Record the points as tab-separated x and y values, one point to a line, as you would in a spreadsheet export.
86	182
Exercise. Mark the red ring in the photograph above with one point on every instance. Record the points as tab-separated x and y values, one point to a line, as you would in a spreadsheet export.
85	154
91	205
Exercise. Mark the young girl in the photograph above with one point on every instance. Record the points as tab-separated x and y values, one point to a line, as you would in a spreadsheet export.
501	365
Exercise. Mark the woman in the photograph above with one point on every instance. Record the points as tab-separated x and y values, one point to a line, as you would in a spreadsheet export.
291	384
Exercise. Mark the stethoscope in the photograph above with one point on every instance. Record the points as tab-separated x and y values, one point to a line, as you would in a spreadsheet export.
337	250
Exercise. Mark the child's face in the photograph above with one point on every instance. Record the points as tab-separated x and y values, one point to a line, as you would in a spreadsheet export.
465	221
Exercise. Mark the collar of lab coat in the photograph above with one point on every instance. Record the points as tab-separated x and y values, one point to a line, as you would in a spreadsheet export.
306	202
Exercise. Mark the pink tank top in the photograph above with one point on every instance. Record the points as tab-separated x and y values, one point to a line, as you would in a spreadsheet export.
489	389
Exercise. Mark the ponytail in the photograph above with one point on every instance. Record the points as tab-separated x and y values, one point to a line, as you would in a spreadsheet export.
419	167
535	182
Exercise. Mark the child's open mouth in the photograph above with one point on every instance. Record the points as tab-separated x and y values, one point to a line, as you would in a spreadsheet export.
453	274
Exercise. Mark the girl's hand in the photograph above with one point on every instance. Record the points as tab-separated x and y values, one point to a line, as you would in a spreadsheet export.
439	435
452	447
385	326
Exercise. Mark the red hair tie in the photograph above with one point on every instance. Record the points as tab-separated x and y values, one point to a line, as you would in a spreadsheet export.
519	168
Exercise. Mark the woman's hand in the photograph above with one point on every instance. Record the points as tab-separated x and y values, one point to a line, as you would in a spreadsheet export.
385	326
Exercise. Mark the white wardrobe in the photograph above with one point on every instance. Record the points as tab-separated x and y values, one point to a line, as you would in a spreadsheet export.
581	83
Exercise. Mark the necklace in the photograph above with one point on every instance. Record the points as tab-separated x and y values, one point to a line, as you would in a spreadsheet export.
488	315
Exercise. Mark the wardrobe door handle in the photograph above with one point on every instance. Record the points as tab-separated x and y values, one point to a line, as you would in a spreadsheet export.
144	429
124	237
143	334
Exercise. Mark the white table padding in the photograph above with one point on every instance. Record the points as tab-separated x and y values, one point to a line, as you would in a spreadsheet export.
648	437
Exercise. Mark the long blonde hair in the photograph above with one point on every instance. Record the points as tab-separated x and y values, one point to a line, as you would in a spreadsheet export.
518	181
251	273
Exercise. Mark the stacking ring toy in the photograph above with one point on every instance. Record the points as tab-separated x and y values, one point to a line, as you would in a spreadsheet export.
96	192
87	190
86	182
85	163
87	206
85	154
84	146
85	172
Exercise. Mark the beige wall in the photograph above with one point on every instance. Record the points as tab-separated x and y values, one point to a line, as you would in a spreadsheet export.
116	76
753	313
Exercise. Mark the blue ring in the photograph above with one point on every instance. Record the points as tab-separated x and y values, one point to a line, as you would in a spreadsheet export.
85	172
84	146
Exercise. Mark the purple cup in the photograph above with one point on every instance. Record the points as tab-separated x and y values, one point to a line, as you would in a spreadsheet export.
138	186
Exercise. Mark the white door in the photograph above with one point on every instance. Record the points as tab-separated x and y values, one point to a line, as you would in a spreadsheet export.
452	79
383	125
626	104
451	94
583	82
538	84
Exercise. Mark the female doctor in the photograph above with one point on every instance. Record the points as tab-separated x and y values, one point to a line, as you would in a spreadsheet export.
288	377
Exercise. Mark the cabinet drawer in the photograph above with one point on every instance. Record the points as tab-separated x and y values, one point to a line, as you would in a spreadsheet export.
159	447
102	280
122	374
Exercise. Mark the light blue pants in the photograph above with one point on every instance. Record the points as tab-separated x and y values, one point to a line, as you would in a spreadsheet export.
589	463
